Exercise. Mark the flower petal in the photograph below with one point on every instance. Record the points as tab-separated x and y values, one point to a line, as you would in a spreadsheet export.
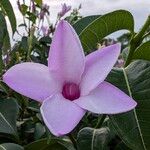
98	65
66	55
106	99
61	115
32	80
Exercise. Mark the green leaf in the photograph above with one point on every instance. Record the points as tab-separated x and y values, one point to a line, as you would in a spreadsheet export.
39	2
6	43
125	53
133	127
4	36
54	144
1	62
143	51
80	25
2	29
101	27
8	115
23	9
45	40
31	16
93	139
34	106
39	131
10	146
121	146
9	12
24	43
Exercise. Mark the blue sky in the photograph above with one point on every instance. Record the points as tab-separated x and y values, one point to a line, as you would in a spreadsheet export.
139	8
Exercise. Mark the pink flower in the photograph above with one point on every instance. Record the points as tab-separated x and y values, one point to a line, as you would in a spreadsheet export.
45	30
44	10
71	84
64	10
33	7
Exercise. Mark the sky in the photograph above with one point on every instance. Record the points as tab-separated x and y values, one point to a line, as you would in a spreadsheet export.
140	9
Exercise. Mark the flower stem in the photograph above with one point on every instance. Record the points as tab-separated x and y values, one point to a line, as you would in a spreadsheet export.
30	41
136	41
73	140
100	121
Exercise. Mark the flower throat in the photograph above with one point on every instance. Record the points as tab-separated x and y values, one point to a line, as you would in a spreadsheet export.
71	91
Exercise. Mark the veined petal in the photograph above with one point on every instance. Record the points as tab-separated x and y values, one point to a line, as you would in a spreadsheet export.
106	99
32	80
61	115
66	57
98	65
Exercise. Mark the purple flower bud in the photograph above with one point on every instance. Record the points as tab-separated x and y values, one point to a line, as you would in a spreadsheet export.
33	7
41	15
64	10
45	7
45	30
80	6
44	10
19	6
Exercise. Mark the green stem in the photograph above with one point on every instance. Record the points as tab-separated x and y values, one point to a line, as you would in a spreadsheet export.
146	35
48	135
29	19
73	140
136	41
143	30
30	40
100	121
131	52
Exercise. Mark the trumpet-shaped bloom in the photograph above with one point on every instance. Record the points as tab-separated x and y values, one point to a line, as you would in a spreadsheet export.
71	84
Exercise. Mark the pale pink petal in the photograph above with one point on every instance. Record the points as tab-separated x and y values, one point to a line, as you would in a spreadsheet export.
66	56
106	99
61	115
98	65
32	80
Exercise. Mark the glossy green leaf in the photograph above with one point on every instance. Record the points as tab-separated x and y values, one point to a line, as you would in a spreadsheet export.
143	51
4	36
125	53
84	22
10	146
8	115
101	27
9	12
134	126
6	43
93	139
54	144
3	29
39	131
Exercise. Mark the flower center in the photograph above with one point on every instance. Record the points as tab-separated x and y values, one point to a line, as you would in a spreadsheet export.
71	91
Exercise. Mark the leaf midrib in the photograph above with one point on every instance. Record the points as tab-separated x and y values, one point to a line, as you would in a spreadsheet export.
7	122
2	147
92	142
135	114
